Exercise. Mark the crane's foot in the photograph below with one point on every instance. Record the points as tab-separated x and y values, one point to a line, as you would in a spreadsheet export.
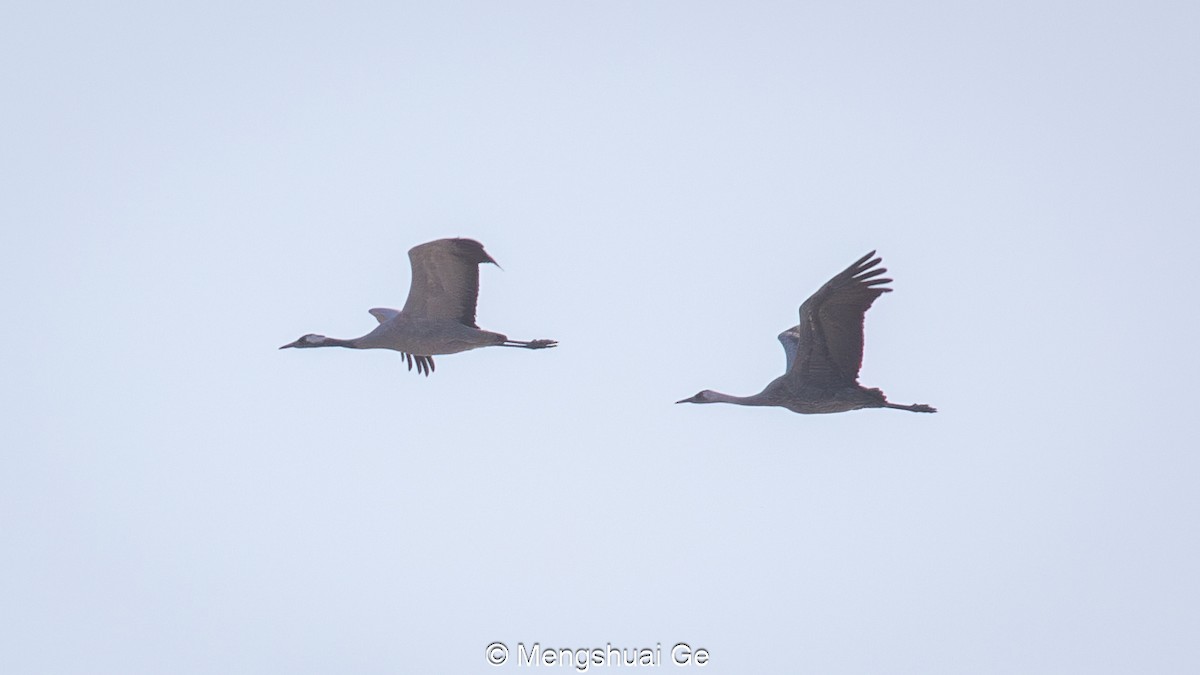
532	344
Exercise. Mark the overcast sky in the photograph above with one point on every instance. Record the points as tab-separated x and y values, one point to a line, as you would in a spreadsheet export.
186	186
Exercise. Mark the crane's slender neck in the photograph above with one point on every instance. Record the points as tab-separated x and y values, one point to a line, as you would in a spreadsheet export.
338	342
756	399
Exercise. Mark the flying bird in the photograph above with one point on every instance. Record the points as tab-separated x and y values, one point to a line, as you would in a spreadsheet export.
824	351
439	315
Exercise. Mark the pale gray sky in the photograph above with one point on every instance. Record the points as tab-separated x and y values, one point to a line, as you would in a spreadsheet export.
187	186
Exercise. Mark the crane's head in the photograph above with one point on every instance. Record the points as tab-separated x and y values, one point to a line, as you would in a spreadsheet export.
706	396
310	340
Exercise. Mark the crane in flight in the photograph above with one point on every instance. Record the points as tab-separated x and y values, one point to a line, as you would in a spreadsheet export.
439	315
824	351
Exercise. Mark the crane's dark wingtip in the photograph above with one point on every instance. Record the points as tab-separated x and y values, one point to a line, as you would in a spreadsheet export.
472	251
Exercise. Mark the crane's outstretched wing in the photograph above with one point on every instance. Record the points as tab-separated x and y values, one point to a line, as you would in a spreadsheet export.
826	347
445	280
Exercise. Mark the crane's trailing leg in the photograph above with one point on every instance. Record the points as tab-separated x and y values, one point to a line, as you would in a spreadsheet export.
916	407
532	344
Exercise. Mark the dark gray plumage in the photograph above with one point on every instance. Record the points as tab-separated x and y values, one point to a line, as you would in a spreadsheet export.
824	351
439	315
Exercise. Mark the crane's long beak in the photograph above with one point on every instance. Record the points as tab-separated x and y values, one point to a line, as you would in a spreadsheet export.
690	399
290	344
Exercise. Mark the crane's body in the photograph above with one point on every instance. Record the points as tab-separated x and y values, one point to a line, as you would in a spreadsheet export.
427	337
